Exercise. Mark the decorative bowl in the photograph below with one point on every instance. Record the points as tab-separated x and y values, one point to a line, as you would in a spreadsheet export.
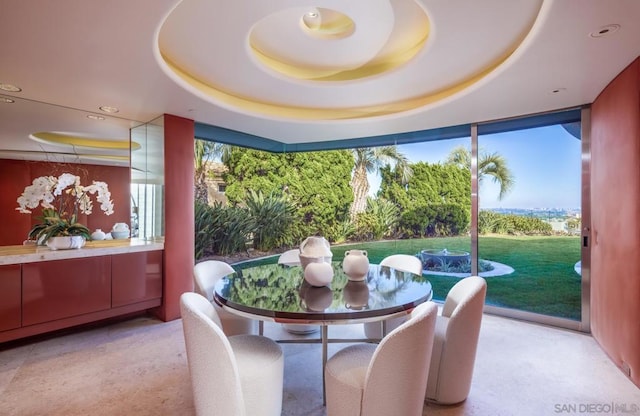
120	235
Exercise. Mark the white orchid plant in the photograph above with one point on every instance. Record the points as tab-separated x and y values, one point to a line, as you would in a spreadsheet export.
62	199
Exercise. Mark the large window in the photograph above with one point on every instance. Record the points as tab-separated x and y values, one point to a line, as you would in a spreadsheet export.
504	202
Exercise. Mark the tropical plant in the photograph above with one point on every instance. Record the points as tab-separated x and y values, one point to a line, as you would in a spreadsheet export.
489	164
339	232
272	217
378	221
227	228
387	214
70	199
204	235
370	160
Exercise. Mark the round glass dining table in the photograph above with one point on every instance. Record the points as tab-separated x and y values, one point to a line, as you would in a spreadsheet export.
279	293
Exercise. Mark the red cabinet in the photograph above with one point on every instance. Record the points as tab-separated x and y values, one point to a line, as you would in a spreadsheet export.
136	277
10	295
43	296
64	288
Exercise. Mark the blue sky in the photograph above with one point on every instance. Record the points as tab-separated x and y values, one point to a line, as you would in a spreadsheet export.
544	161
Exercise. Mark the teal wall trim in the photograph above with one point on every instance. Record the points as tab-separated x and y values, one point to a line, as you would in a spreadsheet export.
237	138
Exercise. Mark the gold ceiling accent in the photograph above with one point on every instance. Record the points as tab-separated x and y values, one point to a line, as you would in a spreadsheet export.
402	53
70	139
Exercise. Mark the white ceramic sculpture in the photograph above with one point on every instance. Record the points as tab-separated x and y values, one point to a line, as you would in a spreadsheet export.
356	264
313	250
318	273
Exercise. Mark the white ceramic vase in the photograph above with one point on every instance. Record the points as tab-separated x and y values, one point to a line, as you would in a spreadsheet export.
313	250
356	264
318	274
98	235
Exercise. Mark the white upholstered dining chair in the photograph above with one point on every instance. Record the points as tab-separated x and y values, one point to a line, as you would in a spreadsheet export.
240	375
406	263
387	378
206	274
290	257
456	341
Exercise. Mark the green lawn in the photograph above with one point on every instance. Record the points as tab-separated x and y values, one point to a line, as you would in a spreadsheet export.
544	280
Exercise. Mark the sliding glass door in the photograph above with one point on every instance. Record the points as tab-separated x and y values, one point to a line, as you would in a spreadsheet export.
529	220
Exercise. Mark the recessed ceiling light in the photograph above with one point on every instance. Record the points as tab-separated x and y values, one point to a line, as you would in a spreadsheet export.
94	117
109	109
7	100
605	31
558	90
10	88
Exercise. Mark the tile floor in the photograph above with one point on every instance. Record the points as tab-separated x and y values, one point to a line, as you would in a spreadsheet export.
139	367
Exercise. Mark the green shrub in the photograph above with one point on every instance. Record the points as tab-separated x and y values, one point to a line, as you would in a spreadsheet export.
272	216
367	227
497	223
435	220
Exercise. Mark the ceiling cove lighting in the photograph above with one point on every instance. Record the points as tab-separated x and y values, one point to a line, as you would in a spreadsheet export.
10	88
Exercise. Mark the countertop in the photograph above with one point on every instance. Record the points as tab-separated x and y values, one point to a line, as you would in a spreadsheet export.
33	253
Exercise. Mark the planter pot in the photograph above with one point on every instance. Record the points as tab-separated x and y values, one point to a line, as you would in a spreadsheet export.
65	242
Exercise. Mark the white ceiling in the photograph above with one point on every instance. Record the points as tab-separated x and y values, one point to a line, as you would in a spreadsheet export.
402	65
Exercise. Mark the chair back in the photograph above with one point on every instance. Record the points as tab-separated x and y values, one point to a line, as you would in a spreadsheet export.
465	300
212	365
404	262
207	273
400	366
290	257
450	377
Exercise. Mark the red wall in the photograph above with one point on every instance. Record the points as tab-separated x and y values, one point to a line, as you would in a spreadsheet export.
615	213
179	244
15	175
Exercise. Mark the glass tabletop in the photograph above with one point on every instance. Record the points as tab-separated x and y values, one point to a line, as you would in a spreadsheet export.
280	293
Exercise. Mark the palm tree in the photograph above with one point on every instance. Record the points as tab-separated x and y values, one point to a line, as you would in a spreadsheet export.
369	160
489	164
205	151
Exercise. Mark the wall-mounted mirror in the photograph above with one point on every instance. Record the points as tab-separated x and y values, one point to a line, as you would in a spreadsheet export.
68	139
32	130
